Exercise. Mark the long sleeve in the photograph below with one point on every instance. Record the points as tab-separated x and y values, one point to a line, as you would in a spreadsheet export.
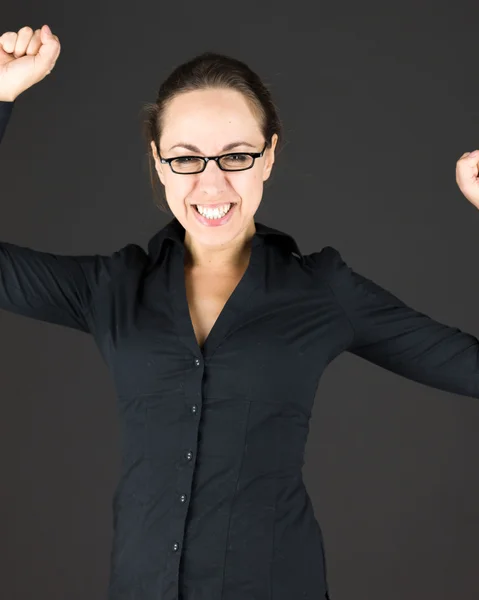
6	109
391	334
48	287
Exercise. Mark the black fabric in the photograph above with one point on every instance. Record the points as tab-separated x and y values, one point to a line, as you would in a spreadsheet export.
211	503
6	109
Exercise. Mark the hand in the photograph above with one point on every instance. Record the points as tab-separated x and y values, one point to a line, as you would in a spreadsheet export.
467	170
26	58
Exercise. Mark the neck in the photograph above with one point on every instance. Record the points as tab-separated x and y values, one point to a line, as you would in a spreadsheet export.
225	258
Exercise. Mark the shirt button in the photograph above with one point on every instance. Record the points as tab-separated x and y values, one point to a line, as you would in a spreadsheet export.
175	546
194	408
183	498
189	455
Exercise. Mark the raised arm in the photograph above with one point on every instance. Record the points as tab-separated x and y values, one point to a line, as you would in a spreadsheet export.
391	334
49	287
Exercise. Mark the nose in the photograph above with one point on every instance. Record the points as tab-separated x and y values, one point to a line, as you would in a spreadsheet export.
212	180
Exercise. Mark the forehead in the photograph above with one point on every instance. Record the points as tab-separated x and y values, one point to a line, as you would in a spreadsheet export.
209	117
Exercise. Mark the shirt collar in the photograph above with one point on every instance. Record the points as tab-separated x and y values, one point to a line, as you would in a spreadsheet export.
175	231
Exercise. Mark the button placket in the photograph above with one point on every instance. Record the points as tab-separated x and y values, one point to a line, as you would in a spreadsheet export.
188	455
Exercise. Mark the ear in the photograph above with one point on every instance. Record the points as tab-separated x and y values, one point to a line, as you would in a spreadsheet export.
158	164
269	157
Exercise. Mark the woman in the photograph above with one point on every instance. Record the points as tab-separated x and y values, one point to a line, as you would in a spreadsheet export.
216	339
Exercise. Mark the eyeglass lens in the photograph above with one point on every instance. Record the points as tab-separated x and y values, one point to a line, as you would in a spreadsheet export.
231	162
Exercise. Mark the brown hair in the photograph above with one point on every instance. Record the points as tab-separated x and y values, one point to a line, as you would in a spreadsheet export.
209	70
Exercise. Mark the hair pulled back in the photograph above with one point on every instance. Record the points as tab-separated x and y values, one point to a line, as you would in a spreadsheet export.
209	70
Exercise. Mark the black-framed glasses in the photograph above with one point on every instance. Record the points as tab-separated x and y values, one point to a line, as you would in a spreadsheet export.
237	161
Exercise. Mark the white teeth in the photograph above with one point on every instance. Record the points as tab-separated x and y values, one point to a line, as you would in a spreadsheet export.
213	213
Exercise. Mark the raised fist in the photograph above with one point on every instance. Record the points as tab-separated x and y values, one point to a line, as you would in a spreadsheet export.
26	57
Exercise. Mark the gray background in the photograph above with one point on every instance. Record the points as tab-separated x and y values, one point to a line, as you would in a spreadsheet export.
378	103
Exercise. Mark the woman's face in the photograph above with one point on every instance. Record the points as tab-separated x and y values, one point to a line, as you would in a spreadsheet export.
210	120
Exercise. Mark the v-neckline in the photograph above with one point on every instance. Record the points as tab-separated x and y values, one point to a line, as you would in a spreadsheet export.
236	302
200	282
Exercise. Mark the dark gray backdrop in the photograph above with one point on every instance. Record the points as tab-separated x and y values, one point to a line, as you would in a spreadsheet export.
378	102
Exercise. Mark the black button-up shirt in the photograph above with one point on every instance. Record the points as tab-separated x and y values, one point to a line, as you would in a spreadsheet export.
211	503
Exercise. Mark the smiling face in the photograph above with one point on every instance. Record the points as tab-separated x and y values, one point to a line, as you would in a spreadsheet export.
211	120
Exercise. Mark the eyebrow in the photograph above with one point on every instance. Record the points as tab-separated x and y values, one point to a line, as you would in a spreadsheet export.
224	149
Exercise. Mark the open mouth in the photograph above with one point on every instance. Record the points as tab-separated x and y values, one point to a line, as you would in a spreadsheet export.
214	213
215	217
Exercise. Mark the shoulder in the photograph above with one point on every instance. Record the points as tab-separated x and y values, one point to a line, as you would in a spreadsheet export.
327	263
128	258
129	255
345	281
